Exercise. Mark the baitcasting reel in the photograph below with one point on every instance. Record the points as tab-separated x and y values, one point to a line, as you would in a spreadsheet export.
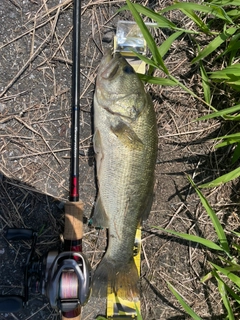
65	277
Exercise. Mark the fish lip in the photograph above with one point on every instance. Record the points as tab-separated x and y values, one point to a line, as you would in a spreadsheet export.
109	65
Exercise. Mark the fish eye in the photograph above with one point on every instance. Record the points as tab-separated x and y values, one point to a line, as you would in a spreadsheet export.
128	69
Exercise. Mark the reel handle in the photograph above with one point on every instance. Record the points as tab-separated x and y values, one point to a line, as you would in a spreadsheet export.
15	234
10	303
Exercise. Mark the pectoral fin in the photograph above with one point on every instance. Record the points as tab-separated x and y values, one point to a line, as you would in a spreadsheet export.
100	218
127	136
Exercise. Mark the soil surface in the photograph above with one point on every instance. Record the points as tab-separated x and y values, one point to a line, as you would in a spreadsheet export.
35	111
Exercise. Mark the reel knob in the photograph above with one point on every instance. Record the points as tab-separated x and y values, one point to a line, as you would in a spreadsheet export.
11	303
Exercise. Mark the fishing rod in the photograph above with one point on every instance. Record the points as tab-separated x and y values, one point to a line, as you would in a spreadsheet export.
73	229
64	277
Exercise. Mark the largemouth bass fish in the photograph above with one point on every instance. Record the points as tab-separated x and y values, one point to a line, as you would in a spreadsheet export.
125	144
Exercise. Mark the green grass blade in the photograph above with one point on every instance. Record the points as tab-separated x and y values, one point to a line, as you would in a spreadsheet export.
146	60
183	303
190	92
227	142
230	264
232	48
235	296
221	113
228	73
236	247
161	21
157	80
226	2
235	85
223	179
233	81
219	12
195	18
214	44
165	46
215	221
207	243
223	292
207	277
235	13
234	278
236	233
236	153
139	317
205	83
235	136
158	18
232	118
234	43
224	144
187	6
148	37
205	8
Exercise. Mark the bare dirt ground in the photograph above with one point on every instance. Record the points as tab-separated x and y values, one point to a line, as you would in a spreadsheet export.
35	81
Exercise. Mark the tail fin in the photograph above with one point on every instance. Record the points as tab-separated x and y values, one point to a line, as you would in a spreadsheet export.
122	279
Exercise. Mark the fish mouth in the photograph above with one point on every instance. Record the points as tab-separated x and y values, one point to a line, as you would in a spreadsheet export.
109	65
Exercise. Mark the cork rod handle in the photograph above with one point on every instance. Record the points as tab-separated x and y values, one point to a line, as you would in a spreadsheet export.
73	229
75	318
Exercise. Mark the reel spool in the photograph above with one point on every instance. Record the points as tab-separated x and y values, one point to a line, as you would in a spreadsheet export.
68	288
